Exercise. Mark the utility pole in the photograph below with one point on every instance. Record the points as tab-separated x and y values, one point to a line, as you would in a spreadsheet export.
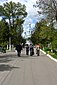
9	38
9	41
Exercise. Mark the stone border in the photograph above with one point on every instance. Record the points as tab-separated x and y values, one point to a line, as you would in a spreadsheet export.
49	56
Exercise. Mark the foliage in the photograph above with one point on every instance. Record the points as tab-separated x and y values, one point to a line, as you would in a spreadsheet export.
46	35
14	13
42	32
4	33
48	7
54	44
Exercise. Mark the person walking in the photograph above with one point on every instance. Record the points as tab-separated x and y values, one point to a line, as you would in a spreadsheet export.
37	50
31	50
19	48
27	49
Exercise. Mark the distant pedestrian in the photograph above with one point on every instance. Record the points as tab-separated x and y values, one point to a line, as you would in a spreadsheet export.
31	50
19	48
37	50
27	49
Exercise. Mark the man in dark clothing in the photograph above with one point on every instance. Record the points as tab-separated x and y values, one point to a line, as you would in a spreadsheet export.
18	48
31	50
27	49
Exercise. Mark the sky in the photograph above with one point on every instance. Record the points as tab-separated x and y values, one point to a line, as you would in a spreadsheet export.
32	16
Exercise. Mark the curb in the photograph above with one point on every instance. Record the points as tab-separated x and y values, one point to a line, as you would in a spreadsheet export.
49	56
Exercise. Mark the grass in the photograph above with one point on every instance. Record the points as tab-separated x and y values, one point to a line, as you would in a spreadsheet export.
54	56
48	51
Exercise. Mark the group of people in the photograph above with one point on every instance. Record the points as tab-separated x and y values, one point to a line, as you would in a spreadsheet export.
29	48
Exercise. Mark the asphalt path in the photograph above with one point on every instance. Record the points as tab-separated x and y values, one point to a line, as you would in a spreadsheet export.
27	70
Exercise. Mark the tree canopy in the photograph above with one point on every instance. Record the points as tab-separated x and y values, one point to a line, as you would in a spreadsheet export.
44	34
49	8
14	14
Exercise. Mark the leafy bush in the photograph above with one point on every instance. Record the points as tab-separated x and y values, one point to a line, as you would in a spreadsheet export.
55	56
47	49
54	44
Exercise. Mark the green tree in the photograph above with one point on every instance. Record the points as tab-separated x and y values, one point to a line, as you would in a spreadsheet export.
35	38
43	33
54	41
15	14
49	9
4	33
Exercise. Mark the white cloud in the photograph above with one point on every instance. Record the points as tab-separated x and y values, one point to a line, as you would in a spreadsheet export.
33	1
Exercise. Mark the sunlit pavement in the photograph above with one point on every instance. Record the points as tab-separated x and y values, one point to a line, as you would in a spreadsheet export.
27	70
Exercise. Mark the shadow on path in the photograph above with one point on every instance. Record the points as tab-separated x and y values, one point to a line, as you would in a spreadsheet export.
11	56
4	67
7	58
8	55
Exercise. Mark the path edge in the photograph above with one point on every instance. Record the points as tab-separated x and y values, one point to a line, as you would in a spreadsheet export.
49	56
